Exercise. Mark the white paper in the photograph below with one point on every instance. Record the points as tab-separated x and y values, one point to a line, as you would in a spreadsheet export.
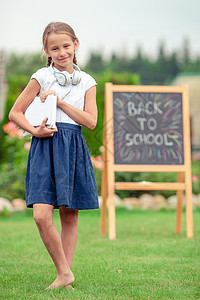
37	111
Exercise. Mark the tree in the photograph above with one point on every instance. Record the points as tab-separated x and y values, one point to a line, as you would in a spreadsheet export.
186	51
95	63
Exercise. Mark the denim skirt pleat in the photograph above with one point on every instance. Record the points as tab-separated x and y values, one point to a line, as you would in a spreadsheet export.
60	172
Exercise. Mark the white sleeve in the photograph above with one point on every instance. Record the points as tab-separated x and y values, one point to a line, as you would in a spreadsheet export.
89	82
40	75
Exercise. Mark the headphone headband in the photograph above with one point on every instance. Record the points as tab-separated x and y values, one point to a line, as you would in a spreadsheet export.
76	68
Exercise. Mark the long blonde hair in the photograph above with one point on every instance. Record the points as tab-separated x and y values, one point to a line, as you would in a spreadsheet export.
58	27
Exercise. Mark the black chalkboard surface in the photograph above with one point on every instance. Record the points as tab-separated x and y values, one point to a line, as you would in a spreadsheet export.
148	128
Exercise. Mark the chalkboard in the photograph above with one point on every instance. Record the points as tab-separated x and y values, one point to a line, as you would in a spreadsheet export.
148	128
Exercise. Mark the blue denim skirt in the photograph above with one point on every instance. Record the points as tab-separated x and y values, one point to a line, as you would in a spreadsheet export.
60	172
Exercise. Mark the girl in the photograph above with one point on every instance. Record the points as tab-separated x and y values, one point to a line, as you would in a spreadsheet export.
59	170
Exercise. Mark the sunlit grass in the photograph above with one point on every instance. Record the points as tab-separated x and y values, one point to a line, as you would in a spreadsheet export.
146	261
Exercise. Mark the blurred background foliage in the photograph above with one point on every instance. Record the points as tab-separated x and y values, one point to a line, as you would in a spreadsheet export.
118	69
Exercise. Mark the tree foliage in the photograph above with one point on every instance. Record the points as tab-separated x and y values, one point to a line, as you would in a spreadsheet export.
152	71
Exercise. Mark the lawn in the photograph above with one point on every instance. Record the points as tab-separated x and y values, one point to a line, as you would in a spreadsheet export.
146	261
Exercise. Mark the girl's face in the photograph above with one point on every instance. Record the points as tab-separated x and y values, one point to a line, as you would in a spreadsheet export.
61	49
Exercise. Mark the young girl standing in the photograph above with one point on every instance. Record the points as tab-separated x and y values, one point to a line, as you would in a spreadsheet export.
59	170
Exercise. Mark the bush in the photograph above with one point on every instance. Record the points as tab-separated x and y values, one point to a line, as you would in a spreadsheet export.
13	170
16	83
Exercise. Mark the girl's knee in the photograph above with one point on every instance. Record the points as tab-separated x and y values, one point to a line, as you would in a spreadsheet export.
42	216
40	220
69	216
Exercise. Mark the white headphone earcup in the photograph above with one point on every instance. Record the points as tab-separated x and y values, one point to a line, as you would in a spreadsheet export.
76	77
63	78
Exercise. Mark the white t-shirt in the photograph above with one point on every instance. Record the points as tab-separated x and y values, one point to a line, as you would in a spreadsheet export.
76	96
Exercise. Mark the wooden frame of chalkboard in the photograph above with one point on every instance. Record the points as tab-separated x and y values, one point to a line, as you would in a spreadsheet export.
146	129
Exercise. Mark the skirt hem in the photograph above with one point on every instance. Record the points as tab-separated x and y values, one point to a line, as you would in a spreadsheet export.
67	206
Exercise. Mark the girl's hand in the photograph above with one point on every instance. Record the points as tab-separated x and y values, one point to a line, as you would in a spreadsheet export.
43	131
44	95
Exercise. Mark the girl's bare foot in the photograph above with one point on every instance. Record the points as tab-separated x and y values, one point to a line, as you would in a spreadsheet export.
62	281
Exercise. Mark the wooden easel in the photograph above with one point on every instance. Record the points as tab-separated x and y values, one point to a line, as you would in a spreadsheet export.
108	176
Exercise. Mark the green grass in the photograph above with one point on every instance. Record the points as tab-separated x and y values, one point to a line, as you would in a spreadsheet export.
146	261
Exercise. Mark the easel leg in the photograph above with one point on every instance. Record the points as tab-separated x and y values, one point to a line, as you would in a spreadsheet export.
111	202
187	159
104	196
112	225
179	205
189	211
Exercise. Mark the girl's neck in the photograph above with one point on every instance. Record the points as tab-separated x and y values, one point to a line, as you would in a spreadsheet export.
69	69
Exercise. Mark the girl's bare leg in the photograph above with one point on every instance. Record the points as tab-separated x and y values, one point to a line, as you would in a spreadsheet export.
69	231
43	216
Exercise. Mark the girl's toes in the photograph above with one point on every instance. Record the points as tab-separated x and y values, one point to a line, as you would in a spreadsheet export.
69	287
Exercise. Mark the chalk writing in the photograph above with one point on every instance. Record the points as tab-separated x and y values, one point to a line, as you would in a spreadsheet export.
148	128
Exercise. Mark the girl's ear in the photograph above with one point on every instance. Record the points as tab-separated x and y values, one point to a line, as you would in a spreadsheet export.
46	52
76	43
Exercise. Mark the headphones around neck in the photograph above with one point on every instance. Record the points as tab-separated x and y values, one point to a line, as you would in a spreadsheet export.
64	78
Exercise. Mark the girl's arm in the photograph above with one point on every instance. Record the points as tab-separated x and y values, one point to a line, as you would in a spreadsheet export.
16	114
88	117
